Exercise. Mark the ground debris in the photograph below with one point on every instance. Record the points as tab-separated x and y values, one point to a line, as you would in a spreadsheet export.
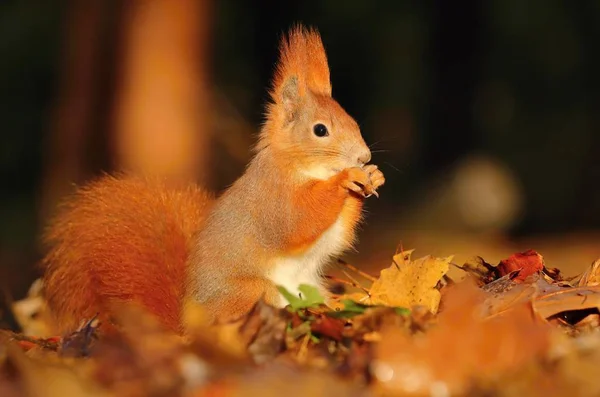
519	328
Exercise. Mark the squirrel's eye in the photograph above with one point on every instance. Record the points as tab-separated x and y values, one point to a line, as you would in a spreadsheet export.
320	130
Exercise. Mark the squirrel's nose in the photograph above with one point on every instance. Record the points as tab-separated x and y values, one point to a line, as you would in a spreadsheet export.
364	156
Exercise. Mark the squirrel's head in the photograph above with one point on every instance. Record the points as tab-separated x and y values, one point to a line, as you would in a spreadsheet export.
304	123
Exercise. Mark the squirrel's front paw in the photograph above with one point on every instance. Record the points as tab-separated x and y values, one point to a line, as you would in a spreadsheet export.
376	177
363	181
356	180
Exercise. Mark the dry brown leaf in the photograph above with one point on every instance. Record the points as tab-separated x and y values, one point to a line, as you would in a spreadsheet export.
505	294
282	380
481	271
32	313
462	351
408	283
591	276
142	358
222	340
567	299
263	331
500	302
40	378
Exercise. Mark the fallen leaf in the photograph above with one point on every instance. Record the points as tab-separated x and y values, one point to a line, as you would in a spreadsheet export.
463	351
264	332
285	381
44	379
505	294
309	297
528	263
141	358
591	277
567	299
407	283
222	343
480	270
32	313
327	326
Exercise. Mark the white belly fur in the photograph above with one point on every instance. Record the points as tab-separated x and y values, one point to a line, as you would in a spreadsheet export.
306	268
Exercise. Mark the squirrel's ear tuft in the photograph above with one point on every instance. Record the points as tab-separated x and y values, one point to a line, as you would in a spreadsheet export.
290	97
302	63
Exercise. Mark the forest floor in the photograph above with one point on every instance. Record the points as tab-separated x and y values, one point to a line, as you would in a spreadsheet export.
421	325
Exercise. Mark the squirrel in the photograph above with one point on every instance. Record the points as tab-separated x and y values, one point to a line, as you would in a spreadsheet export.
131	239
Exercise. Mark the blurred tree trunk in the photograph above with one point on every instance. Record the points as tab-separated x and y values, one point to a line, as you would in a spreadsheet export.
161	113
73	114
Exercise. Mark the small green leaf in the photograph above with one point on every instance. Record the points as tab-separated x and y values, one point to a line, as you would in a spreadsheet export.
350	310
294	301
310	297
354	307
402	311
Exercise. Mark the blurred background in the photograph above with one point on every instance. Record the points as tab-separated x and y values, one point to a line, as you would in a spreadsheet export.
483	115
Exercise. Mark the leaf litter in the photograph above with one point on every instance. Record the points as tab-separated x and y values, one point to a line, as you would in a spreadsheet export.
511	329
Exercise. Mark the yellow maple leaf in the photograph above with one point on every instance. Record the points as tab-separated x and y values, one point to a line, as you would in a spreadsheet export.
407	283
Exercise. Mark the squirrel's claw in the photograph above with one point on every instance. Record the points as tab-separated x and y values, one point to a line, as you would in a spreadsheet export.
355	187
377	178
372	194
364	181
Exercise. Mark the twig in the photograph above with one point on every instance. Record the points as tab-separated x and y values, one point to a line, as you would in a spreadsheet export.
346	282
357	270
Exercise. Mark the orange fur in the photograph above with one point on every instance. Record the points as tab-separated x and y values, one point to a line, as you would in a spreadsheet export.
302	54
313	217
292	210
245	290
130	240
121	240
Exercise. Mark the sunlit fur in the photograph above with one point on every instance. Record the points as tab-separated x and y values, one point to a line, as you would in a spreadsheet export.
288	129
301	54
275	225
120	240
123	240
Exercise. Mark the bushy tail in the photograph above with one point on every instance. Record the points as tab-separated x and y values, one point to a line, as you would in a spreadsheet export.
121	240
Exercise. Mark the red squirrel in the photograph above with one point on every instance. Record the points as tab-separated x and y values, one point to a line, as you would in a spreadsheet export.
127	239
